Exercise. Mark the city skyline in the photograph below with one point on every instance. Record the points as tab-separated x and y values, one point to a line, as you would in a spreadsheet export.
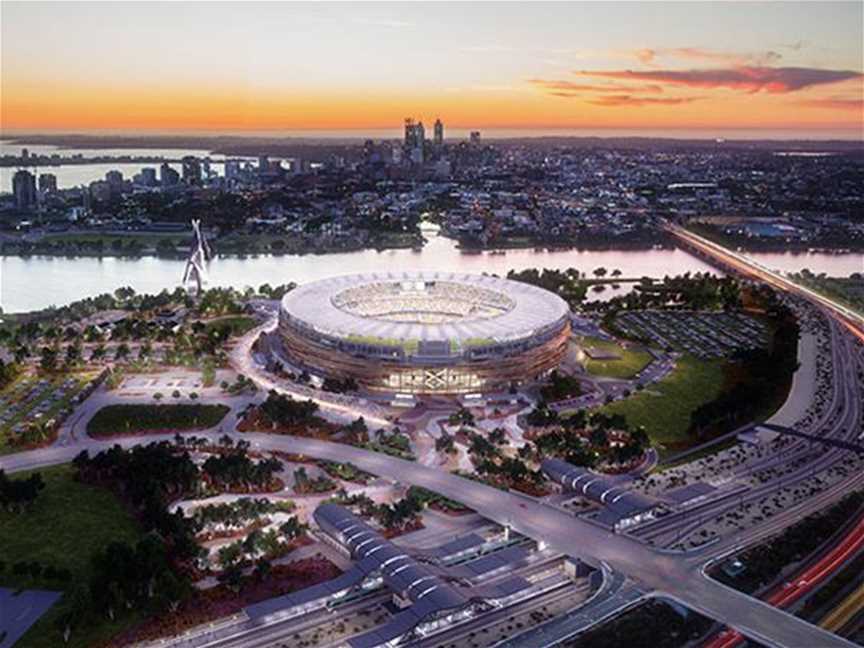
617	67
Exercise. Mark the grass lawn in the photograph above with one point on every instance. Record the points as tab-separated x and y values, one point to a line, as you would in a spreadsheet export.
630	362
130	419
664	408
238	324
69	521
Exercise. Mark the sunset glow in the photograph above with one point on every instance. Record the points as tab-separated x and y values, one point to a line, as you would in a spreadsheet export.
267	66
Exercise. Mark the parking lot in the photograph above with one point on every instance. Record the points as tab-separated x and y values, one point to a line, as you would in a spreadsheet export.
32	400
704	335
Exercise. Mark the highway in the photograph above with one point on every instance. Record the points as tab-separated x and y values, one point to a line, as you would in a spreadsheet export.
664	573
673	575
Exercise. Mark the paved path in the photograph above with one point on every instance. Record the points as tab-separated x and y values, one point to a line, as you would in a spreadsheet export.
20	611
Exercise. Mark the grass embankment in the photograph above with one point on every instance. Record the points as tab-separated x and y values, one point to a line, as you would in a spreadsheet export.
132	419
664	408
630	360
68	522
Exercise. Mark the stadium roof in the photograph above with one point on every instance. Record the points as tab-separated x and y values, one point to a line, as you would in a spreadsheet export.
527	309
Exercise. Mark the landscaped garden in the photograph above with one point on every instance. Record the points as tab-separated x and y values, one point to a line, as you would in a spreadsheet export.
138	418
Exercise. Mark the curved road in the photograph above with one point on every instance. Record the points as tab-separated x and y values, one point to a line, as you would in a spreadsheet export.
665	573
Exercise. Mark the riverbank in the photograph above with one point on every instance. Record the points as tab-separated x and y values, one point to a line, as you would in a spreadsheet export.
31	283
170	244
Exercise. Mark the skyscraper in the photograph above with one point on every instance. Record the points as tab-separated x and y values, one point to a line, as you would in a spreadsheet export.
168	176
24	188
232	169
148	175
48	183
438	137
191	170
415	139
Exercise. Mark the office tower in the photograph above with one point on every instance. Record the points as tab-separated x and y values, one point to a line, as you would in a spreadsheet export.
114	182
24	189
415	139
232	169
48	183
191	170
438	134
475	137
263	164
148	177
409	132
114	178
168	176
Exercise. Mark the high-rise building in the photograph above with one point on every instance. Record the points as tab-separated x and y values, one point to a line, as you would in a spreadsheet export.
24	188
415	140
415	134
48	183
148	177
263	164
438	137
168	177
114	182
191	170
475	137
232	169
114	178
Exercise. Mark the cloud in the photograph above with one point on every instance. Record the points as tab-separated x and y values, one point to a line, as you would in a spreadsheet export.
773	80
837	103
649	55
576	88
797	46
615	101
392	23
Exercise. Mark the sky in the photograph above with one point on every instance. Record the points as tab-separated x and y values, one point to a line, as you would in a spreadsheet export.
533	66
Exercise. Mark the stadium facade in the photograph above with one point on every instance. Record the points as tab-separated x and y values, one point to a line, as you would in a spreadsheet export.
424	332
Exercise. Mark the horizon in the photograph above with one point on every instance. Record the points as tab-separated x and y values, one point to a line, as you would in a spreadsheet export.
590	66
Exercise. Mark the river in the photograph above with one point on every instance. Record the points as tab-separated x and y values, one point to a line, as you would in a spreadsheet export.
37	282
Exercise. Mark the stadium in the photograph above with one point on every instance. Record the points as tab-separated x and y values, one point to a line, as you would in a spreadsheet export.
424	332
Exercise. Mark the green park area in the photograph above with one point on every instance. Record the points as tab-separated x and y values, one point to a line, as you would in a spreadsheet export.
132	419
629	361
55	537
664	408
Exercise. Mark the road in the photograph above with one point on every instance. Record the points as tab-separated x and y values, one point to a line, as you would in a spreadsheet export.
668	574
673	575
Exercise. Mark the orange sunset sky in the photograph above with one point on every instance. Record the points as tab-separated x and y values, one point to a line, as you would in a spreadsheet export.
230	66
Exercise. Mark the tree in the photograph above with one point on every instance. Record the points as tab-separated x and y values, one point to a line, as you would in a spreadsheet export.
262	569
73	354
498	436
80	604
600	272
445	443
171	591
122	351
48	359
292	528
